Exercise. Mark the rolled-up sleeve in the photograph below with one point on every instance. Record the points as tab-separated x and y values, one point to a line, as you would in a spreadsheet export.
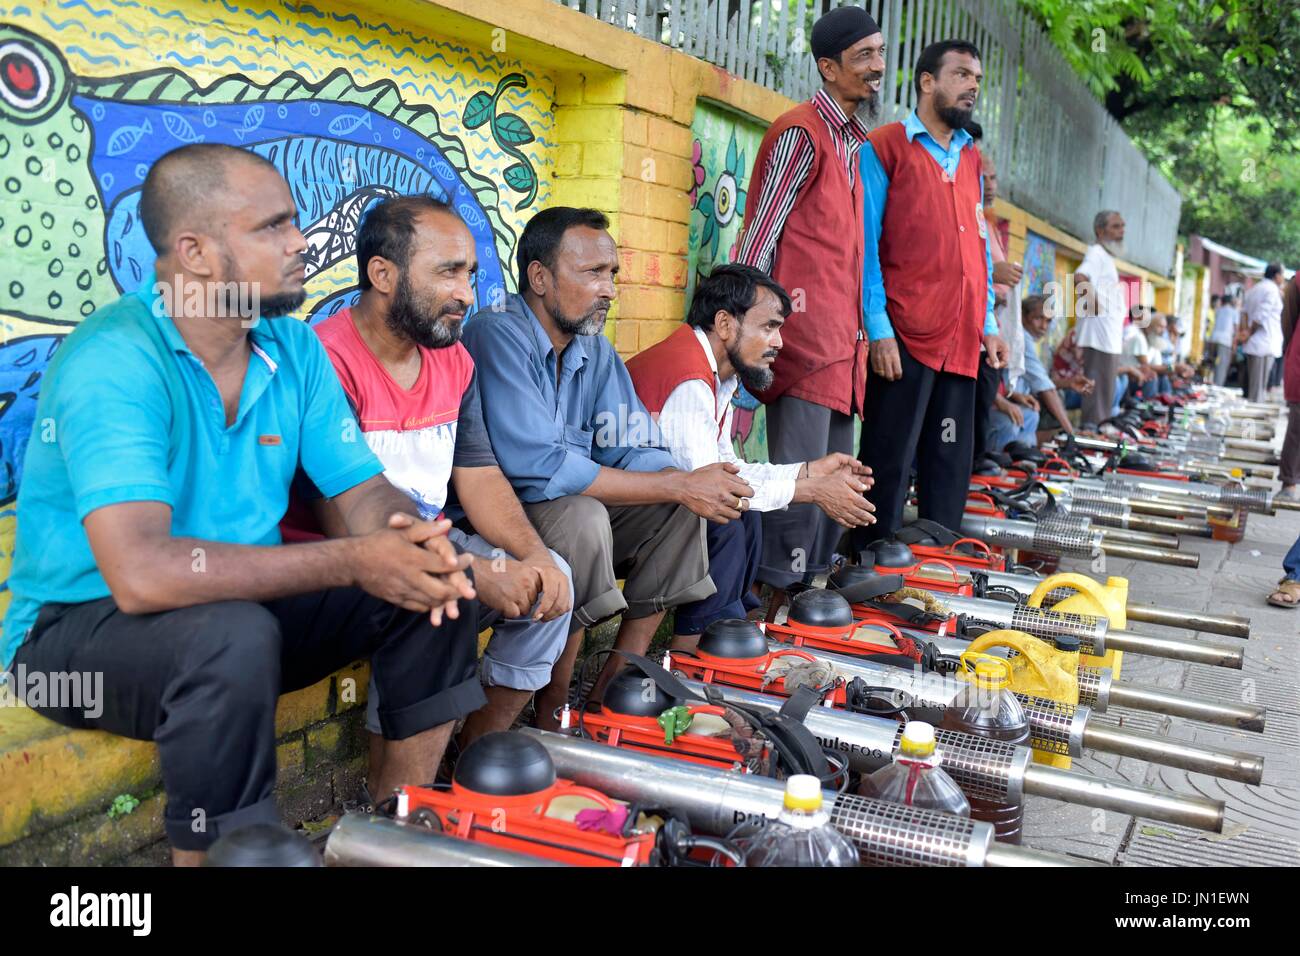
534	449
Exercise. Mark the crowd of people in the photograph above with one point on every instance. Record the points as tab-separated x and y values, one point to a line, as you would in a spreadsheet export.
232	510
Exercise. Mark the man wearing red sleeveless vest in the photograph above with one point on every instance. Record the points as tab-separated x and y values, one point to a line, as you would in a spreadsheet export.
731	335
803	225
927	294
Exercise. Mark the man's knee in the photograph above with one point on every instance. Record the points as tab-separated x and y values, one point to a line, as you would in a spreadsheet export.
576	525
236	643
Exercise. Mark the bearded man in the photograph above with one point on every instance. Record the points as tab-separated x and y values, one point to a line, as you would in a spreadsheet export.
927	294
732	335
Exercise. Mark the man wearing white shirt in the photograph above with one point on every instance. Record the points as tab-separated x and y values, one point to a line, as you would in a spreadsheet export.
1261	313
732	335
1223	338
1101	309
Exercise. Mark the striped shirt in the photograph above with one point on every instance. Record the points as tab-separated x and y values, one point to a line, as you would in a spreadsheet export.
788	167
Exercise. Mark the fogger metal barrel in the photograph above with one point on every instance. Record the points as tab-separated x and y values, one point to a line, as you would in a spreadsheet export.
1072	538
359	839
992	769
717	801
1258	500
1230	625
1094	633
1099	690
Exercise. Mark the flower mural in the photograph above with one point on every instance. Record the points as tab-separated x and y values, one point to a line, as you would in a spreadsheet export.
697	170
721	206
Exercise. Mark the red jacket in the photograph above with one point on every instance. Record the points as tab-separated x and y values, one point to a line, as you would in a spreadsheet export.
932	255
818	261
662	367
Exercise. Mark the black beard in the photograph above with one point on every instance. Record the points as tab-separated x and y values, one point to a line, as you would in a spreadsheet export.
954	116
415	321
755	378
589	324
286	303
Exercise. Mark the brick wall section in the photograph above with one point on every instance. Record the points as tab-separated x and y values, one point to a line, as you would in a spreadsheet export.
57	784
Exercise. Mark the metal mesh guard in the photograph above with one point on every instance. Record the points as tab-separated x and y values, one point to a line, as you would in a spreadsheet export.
1062	536
1099	507
1049	724
981	767
891	834
1089	685
1048	624
1252	499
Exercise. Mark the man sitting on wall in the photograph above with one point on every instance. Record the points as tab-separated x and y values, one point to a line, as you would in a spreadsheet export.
576	443
415	392
732	335
148	544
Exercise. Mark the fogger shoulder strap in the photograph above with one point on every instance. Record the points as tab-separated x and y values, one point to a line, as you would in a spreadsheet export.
868	590
793	743
923	528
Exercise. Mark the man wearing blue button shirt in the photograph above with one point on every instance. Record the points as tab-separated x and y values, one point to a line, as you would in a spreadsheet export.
169	429
577	444
927	294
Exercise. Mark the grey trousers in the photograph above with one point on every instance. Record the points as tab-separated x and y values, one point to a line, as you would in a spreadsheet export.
1222	355
1257	370
798	542
659	550
1103	369
1289	473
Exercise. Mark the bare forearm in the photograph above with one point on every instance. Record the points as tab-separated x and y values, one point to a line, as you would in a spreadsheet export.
368	507
613	486
182	572
495	512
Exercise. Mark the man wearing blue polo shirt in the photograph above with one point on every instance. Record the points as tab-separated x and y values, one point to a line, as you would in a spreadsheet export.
169	429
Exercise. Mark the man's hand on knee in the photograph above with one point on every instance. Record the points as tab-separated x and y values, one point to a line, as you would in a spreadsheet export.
716	491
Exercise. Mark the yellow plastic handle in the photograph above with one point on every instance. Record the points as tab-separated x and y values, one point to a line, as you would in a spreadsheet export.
972	654
1040	669
1070	579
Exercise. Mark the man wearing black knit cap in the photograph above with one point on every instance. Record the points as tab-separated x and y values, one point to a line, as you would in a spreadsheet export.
803	225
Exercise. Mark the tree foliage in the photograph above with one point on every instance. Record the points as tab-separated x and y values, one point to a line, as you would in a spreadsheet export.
1208	89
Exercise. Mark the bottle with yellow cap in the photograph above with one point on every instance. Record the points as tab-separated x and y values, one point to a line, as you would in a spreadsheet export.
987	708
802	835
916	777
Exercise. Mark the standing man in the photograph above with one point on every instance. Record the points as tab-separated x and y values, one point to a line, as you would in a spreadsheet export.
927	295
1261	314
1222	340
1100	312
733	335
576	444
415	392
803	226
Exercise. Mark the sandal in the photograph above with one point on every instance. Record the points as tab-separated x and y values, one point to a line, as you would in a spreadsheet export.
1286	595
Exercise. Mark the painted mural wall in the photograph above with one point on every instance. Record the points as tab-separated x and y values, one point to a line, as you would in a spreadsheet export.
351	109
722	155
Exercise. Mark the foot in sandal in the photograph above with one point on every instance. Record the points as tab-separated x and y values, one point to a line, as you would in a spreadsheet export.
1286	595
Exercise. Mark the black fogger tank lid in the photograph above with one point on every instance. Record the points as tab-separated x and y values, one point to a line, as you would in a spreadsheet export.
506	764
819	608
636	695
733	638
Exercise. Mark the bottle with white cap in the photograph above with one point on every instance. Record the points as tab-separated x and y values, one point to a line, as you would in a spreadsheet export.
916	777
802	835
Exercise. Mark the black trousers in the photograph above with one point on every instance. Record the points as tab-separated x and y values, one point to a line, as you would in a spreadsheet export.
734	552
798	541
986	390
926	416
202	682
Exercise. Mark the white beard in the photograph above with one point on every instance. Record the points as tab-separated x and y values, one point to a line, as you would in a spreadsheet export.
1116	249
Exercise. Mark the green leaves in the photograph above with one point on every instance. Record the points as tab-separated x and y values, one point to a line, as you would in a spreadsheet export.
520	177
511	130
479	110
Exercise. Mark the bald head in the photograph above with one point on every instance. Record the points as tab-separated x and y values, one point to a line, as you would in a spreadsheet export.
185	187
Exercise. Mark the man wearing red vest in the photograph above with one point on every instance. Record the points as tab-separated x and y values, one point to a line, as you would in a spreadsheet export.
803	225
927	294
732	334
